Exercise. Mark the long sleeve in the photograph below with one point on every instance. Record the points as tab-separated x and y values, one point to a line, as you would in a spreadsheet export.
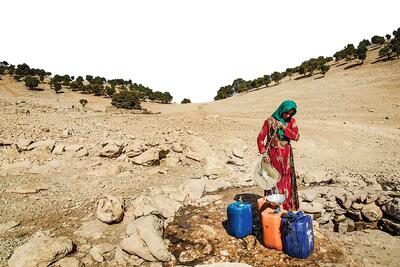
291	131
261	136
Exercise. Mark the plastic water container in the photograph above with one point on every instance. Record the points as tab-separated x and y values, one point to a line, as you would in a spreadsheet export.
240	219
271	228
298	235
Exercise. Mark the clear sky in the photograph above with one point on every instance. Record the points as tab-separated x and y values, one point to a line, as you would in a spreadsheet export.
189	48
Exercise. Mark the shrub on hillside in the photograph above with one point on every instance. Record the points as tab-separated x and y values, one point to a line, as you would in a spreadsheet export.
324	69
186	101
57	87
31	82
378	40
127	100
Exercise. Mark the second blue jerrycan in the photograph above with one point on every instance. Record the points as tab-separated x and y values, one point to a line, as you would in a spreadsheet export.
297	235
240	219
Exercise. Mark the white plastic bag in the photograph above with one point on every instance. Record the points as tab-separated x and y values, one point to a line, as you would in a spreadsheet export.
265	175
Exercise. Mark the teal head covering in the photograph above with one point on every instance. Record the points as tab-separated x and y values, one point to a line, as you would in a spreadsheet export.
278	114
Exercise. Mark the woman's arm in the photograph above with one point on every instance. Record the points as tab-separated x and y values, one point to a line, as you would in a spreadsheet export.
291	131
261	136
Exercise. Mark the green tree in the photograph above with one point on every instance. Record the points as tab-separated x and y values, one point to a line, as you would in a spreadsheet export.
89	78
276	77
57	87
83	102
23	70
224	92
361	53
31	82
396	33
384	52
388	36
110	90
186	101
127	100
324	69
378	40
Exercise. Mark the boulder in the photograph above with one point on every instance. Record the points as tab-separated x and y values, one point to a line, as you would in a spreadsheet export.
91	230
354	214
41	250
215	185
43	144
194	189
150	157
111	150
383	199
58	149
69	262
110	209
177	148
344	201
238	152
124	259
198	149
149	229
23	144
98	250
167	207
308	195
316	177
391	226
372	212
392	208
312	208
357	206
371	198
134	245
133	149
82	153
142	205
73	148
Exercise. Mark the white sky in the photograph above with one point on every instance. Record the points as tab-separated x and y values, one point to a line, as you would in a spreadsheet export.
189	48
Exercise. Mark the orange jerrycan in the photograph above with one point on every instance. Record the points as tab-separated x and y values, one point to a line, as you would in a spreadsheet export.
271	224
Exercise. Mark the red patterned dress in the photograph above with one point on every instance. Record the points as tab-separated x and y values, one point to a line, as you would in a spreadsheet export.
281	156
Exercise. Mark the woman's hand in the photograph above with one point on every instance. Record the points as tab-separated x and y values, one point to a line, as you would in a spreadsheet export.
280	125
266	158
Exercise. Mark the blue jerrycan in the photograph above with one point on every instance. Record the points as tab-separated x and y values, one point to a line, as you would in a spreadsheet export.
240	219
297	235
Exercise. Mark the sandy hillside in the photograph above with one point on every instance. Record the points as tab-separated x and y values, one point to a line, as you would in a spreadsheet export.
349	127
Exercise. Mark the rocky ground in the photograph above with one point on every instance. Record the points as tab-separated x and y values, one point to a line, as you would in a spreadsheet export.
101	187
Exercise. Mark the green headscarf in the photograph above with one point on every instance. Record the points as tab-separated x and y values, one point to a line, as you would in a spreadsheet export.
278	114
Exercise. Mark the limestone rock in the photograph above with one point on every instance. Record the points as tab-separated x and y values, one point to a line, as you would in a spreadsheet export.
215	185
6	226
372	212
149	228
392	208
309	195
148	158
91	230
391	226
111	150
23	144
142	205
198	149
166	206
134	245
69	262
58	149
43	144
124	259
73	148
110	209
97	251
41	250
312	208
82	153
177	148
194	189
316	177
354	214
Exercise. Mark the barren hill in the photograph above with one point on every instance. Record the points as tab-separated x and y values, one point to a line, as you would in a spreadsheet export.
349	124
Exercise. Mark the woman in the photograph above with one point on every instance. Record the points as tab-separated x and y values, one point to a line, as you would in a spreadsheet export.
279	129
